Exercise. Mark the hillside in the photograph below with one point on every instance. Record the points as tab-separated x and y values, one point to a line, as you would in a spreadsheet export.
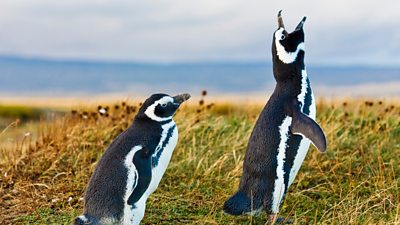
30	77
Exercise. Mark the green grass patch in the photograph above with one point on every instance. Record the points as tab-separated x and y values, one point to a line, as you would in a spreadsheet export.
20	112
45	216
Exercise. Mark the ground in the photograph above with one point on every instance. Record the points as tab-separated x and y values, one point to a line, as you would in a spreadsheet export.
44	174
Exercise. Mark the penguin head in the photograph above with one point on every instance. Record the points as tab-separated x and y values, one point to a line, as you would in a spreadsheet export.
161	107
287	48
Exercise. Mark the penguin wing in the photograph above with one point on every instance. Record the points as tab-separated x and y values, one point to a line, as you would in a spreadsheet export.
307	127
142	162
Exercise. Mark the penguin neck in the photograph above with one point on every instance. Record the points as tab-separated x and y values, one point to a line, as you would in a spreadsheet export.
145	119
292	85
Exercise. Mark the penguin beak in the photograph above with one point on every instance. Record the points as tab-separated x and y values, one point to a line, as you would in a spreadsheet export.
179	99
300	25
280	20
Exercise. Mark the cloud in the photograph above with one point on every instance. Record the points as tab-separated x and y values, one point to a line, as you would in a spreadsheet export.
342	32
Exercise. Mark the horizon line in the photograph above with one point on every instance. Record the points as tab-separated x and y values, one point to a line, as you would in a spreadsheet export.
177	63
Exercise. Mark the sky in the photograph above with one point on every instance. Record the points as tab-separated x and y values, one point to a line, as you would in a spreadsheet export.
340	32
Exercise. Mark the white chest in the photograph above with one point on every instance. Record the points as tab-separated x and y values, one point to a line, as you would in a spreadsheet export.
165	156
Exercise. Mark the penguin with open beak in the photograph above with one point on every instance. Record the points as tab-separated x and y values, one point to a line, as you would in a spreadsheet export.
283	132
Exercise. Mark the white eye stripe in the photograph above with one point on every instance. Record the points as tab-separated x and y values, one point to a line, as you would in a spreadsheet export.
165	100
283	55
279	34
150	111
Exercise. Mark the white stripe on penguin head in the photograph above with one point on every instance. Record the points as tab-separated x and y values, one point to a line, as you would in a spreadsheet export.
150	111
283	55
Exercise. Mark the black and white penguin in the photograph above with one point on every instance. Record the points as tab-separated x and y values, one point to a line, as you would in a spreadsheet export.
133	165
283	131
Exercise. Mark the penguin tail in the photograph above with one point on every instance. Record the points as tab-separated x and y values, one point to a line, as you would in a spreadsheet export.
85	220
238	204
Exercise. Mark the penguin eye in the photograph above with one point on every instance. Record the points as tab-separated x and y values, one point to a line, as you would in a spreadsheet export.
283	37
164	105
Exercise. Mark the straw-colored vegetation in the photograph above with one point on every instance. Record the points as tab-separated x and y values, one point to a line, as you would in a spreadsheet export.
356	182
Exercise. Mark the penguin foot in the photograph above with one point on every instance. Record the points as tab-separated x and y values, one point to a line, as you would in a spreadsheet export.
274	219
238	204
85	220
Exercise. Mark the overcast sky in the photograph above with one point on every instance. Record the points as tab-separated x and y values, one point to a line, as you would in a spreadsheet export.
337	32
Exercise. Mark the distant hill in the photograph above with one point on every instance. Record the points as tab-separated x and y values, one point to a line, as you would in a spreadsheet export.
20	76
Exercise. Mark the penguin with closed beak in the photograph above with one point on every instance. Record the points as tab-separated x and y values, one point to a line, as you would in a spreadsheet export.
283	132
132	166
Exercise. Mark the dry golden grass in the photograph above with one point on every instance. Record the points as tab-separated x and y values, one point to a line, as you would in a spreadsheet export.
356	182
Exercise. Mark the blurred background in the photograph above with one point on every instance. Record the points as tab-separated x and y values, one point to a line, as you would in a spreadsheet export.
103	48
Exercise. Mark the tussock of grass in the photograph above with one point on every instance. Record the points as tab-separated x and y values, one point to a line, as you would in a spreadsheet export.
356	182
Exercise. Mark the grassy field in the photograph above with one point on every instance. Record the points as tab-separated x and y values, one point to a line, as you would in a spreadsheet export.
356	181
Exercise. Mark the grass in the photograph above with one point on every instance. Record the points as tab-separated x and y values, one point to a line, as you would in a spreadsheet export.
18	123
356	182
21	112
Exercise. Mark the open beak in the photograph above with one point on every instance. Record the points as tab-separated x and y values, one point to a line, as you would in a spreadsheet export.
300	25
179	99
280	20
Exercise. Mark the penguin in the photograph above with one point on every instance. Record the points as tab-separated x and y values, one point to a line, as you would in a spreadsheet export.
131	168
283	132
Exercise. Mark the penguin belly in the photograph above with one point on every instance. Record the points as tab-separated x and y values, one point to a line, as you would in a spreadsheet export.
280	186
292	151
133	214
163	154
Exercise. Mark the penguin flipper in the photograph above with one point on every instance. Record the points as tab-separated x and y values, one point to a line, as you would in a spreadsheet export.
145	152
138	191
307	127
142	161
